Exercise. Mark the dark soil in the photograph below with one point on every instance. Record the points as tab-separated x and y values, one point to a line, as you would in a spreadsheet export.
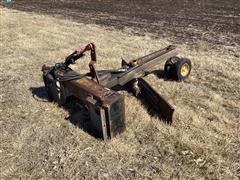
186	21
214	21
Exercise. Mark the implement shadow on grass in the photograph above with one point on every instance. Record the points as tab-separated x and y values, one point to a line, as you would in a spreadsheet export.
78	114
159	74
39	93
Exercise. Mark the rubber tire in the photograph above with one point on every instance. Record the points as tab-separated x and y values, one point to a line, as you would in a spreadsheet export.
172	68
47	84
169	67
178	66
53	91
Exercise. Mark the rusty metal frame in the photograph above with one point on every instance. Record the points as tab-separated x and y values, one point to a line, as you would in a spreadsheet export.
94	88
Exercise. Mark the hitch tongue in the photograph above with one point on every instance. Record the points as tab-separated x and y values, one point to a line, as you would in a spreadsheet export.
156	101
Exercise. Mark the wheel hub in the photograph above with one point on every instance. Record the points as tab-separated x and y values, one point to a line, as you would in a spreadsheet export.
185	69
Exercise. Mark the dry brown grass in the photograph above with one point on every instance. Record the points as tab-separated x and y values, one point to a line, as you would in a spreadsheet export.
37	142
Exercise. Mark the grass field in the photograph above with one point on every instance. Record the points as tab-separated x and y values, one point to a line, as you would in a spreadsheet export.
37	142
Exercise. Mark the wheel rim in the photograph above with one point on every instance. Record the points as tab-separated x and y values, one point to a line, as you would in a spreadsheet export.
185	69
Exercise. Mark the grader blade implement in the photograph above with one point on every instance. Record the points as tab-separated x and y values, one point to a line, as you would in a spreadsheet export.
163	108
96	89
